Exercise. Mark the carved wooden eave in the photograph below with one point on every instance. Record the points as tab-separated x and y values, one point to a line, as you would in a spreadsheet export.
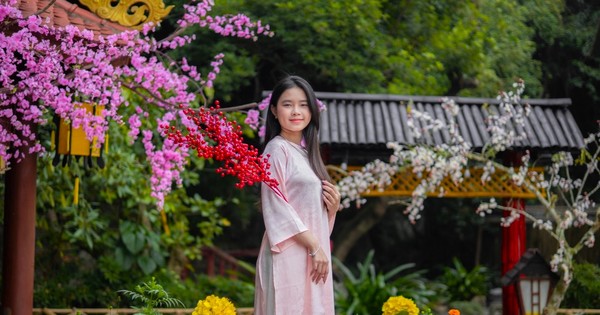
130	13
404	183
62	13
102	18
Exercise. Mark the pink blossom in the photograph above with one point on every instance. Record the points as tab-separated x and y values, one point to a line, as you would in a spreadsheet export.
56	75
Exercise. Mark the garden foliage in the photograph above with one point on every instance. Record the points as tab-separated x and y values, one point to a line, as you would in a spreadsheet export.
151	295
584	291
363	290
463	284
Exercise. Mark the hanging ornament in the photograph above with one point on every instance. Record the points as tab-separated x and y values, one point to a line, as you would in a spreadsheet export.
76	191
73	142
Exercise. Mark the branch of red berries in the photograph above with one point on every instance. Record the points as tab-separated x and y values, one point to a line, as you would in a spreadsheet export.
215	137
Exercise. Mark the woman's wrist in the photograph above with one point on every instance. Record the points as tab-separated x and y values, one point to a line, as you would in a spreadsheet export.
314	253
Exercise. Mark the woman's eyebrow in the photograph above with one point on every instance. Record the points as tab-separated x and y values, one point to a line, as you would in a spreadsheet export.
290	100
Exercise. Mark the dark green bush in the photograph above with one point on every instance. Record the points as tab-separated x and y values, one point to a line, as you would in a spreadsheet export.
100	288
80	283
584	290
463	284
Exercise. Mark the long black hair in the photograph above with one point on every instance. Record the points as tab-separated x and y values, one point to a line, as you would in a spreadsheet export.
310	133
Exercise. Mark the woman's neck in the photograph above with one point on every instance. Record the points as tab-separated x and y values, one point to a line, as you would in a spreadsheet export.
292	137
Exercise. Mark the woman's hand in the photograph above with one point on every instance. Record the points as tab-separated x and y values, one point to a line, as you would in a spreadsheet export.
319	260
320	266
331	196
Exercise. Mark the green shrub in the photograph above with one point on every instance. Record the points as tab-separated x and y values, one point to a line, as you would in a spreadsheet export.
584	290
101	286
193	289
81	282
366	292
150	295
463	284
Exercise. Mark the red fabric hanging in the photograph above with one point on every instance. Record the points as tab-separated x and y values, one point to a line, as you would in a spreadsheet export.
513	246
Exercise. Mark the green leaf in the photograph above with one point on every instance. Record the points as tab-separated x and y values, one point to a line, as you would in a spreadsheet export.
157	257
124	260
147	264
134	241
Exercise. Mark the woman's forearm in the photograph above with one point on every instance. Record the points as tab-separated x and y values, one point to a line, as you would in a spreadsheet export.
308	240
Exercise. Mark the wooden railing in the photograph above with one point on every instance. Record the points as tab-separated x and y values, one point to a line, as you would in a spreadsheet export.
219	262
577	311
120	311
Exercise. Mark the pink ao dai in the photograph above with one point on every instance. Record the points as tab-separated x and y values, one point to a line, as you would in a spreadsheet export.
283	283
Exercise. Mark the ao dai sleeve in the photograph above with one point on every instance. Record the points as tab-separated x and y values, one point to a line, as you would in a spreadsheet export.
281	219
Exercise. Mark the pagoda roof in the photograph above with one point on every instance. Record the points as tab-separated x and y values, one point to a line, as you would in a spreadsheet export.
356	127
376	119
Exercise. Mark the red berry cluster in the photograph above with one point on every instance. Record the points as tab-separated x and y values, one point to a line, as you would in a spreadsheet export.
215	137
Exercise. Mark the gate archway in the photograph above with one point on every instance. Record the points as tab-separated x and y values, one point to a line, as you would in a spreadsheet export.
356	128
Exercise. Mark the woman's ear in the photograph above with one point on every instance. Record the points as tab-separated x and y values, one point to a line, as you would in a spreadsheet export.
274	111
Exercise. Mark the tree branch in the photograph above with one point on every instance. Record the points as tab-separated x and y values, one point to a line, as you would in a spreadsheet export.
530	186
239	107
45	8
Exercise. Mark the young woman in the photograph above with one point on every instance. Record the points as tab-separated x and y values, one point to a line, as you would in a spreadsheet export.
293	270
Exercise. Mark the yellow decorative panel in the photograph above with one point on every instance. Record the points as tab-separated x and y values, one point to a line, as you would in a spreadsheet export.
404	183
130	13
74	141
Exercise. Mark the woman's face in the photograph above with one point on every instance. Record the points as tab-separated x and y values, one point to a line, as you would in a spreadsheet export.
293	113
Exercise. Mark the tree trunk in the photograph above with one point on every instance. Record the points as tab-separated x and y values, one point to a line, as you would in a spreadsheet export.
558	294
556	298
359	226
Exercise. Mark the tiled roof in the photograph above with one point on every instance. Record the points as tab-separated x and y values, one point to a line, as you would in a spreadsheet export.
62	13
369	120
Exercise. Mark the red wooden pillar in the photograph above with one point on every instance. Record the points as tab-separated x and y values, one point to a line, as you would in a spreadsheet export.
19	237
513	246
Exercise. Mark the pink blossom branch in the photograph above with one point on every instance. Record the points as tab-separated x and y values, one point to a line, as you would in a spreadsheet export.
78	65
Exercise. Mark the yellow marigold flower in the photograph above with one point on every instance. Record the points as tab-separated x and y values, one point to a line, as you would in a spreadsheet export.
453	312
397	304
214	305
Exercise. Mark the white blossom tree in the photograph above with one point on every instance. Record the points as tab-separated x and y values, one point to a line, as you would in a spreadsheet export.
568	201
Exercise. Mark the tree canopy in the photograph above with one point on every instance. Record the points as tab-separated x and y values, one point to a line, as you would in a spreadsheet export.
406	47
